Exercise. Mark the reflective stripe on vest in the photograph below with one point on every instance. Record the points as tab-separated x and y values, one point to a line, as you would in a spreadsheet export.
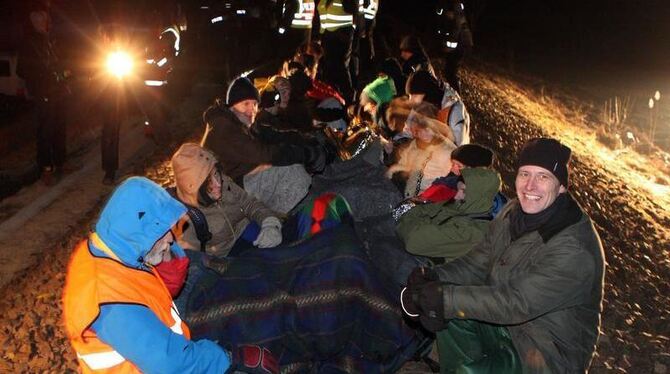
331	18
102	360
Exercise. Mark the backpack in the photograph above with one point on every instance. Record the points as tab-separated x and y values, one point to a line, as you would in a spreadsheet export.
198	219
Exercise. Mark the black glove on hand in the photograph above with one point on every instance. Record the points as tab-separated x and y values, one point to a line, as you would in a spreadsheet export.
252	359
431	306
315	159
426	302
422	275
409	301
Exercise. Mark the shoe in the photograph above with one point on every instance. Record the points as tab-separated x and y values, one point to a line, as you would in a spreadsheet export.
109	178
48	176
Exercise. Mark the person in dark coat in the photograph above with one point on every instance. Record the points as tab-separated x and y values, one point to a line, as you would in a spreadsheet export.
528	297
38	64
246	149
455	38
414	56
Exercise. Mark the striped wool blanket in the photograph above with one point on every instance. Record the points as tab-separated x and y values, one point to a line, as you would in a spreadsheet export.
320	306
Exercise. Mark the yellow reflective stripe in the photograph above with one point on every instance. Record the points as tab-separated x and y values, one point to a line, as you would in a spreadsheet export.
335	17
102	360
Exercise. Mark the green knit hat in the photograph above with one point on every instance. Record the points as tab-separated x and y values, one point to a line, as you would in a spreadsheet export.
381	90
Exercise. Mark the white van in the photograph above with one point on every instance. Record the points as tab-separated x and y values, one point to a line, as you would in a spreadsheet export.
10	83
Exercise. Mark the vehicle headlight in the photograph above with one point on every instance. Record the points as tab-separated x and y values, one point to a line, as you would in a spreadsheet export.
119	64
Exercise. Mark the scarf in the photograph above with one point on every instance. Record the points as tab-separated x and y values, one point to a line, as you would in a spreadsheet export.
562	213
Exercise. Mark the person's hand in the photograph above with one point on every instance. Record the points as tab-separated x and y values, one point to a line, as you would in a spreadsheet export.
409	301
431	306
270	235
422	275
252	359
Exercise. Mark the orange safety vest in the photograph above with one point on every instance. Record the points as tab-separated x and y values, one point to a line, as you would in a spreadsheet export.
93	281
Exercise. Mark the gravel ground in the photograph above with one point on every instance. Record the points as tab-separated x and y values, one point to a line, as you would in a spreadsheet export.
631	225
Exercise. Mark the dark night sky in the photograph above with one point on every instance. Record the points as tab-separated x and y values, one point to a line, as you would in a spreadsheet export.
625	34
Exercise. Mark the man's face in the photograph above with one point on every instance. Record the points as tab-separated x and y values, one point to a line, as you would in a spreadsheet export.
537	188
416	99
40	21
160	251
248	108
456	166
460	192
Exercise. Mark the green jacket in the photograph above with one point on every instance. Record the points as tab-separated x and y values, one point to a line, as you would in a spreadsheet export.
546	291
450	229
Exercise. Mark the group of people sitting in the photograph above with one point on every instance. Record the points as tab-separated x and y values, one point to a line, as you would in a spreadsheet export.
242	266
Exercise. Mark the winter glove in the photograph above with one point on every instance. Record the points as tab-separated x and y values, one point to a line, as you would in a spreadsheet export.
431	306
422	275
409	301
252	359
270	235
427	303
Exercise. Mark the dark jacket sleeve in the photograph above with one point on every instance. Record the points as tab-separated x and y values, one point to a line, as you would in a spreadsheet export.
32	69
264	129
233	144
555	280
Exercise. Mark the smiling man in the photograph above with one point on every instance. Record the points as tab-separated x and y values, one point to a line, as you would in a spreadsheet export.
528	297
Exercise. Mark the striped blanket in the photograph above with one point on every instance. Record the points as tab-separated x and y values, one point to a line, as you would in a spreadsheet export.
319	306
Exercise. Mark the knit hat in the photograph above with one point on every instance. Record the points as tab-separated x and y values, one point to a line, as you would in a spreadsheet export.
381	90
473	155
549	154
331	113
241	89
191	165
422	82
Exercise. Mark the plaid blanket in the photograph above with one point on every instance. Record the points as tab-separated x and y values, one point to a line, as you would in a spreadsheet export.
319	306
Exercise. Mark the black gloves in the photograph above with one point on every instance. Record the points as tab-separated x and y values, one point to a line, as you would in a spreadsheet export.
252	359
423	298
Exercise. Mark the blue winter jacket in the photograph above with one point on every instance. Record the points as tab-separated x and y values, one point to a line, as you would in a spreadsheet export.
134	331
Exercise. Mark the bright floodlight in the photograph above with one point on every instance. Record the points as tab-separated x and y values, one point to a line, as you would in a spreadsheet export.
119	64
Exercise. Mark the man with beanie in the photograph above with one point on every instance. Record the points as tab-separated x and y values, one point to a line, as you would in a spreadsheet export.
253	160
422	86
528	297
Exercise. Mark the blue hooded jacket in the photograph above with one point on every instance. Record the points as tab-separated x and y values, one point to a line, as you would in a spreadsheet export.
138	214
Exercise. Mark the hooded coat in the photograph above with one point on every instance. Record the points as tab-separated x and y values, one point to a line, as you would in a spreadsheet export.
451	229
137	215
227	217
